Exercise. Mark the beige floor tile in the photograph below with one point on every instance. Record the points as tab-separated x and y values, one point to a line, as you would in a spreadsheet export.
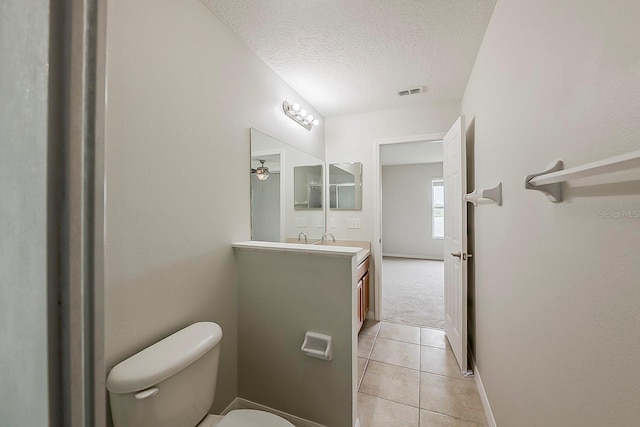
451	396
391	382
397	332
365	344
440	361
370	327
362	365
396	353
433	338
376	412
432	419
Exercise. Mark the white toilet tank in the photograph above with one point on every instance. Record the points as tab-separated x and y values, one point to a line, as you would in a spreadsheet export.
170	384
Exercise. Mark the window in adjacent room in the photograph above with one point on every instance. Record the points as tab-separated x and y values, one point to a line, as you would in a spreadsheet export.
437	208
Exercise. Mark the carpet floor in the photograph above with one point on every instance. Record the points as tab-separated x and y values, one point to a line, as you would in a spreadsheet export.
413	292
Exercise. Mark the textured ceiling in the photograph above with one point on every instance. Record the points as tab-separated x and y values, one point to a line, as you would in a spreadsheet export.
351	56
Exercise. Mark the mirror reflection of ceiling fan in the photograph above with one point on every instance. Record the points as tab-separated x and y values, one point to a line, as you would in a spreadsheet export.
261	172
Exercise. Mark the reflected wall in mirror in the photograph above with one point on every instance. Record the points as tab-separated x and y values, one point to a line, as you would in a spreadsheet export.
274	217
308	187
266	190
345	186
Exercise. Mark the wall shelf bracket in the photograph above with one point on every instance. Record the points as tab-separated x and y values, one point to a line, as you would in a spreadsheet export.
553	191
490	196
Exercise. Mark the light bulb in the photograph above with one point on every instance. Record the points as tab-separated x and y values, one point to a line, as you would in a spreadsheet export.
303	113
296	107
316	122
310	118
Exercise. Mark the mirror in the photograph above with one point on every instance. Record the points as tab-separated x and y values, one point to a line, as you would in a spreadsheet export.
286	191
345	186
307	181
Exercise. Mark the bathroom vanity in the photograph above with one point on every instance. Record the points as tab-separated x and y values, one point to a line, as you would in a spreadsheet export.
362	278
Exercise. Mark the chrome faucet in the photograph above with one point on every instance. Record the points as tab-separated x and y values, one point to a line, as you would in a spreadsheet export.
333	238
302	233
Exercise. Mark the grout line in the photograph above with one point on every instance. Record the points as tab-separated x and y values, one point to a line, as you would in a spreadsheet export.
419	370
468	420
364	371
397	340
390	400
433	329
413	325
419	381
397	366
447	376
433	346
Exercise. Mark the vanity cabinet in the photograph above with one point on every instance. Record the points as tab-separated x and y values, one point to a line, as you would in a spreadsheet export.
363	291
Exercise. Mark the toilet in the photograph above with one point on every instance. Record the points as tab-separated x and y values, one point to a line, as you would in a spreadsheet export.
173	384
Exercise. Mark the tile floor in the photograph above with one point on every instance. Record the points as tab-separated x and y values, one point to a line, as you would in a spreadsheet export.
409	377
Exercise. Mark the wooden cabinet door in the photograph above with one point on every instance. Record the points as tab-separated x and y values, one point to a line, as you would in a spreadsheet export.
365	296
360	303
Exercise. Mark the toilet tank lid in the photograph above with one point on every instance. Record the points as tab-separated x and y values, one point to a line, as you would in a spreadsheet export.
164	358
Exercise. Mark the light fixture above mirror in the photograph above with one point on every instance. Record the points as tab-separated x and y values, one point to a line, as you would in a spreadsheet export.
299	115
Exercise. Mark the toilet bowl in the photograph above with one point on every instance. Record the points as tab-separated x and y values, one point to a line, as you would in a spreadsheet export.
172	384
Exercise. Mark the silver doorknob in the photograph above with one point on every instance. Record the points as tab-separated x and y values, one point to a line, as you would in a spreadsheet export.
457	254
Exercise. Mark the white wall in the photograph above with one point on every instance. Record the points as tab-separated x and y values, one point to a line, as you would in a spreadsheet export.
352	139
183	92
407	211
556	294
24	234
265	208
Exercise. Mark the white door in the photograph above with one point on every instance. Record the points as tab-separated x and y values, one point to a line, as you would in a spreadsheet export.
455	241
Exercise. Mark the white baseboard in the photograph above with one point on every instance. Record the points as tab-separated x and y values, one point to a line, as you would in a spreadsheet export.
239	403
429	257
483	395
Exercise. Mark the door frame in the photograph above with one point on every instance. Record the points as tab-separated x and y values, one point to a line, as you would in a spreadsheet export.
377	208
82	313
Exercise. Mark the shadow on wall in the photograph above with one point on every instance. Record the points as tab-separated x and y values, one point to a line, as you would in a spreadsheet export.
471	268
625	188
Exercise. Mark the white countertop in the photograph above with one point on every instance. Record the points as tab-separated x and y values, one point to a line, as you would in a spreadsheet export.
360	253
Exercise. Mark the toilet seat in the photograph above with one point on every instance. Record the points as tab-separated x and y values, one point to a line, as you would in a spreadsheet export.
252	418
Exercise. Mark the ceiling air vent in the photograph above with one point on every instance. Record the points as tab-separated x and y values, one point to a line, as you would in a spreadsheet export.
413	91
